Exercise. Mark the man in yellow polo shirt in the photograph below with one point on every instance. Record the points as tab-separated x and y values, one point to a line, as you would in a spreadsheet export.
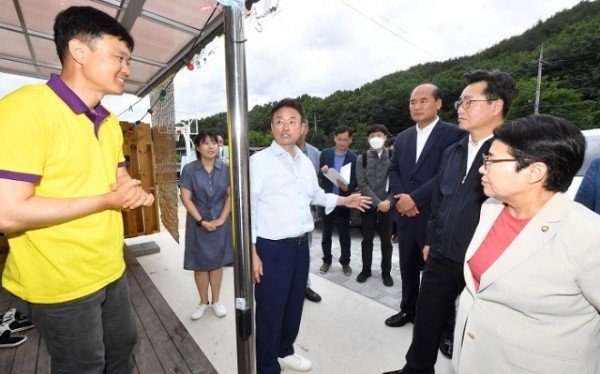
63	183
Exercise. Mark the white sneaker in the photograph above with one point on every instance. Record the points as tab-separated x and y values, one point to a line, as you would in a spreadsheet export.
199	311
296	362
219	309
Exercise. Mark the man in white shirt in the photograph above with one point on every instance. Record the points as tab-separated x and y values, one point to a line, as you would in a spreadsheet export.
283	185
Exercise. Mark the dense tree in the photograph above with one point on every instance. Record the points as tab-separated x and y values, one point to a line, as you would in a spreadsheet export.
570	83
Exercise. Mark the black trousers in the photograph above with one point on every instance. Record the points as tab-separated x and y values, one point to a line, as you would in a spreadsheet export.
411	240
341	217
380	222
442	282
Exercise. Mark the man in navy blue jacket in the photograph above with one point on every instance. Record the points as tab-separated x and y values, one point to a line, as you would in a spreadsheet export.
455	205
417	154
337	157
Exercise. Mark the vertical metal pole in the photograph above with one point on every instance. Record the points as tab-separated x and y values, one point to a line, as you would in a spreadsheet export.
237	125
536	107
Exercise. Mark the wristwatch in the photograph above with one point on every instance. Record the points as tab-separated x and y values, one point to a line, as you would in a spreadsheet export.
199	222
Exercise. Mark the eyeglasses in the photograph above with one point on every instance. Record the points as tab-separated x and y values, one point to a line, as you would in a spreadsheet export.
292	122
466	104
487	161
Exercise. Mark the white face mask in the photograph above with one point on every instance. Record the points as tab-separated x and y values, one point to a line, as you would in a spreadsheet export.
376	142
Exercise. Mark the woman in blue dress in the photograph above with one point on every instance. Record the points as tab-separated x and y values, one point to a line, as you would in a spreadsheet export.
205	193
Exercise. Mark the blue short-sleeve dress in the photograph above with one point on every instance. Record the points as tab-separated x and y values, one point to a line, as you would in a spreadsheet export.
204	250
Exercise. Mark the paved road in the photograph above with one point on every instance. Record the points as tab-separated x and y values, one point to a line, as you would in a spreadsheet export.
373	288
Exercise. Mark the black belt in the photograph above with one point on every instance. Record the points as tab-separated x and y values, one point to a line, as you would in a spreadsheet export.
295	240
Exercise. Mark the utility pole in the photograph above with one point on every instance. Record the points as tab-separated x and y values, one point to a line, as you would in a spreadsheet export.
536	108
315	120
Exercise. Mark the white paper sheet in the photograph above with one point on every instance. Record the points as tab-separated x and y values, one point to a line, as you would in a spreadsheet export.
345	172
343	175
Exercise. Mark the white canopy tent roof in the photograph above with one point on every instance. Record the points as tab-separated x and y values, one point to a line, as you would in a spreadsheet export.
165	34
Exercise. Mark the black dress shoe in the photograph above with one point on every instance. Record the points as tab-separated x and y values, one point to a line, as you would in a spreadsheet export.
362	277
387	280
311	295
446	347
347	270
399	320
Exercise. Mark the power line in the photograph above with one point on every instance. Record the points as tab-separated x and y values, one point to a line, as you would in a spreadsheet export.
389	30
383	18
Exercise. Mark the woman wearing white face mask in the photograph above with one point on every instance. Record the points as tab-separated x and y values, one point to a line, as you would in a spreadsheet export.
377	141
372	178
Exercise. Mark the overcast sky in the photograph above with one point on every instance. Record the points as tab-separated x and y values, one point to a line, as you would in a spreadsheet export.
321	46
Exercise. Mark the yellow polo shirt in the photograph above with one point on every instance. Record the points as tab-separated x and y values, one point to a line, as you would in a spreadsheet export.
47	138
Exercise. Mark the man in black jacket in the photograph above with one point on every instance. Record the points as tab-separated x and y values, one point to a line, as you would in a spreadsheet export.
455	204
417	155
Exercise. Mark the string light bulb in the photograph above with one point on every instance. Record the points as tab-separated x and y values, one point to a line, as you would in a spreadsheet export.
163	95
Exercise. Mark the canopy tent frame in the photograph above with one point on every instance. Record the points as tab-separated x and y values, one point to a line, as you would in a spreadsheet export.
28	50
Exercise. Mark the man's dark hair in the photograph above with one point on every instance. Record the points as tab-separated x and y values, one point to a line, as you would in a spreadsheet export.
342	129
378	128
86	24
201	137
544	138
500	85
437	93
304	121
289	103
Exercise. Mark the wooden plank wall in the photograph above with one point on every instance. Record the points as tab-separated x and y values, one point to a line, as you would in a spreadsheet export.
138	150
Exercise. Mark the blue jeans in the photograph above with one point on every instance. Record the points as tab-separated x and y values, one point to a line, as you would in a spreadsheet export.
92	334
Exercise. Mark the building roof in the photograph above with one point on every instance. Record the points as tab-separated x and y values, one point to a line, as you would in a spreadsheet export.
166	34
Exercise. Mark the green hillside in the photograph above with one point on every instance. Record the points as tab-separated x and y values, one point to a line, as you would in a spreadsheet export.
570	88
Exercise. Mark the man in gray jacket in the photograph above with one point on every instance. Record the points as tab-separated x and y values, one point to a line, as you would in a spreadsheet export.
372	178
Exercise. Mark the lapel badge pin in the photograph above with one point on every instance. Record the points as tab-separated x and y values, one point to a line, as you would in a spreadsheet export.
545	228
